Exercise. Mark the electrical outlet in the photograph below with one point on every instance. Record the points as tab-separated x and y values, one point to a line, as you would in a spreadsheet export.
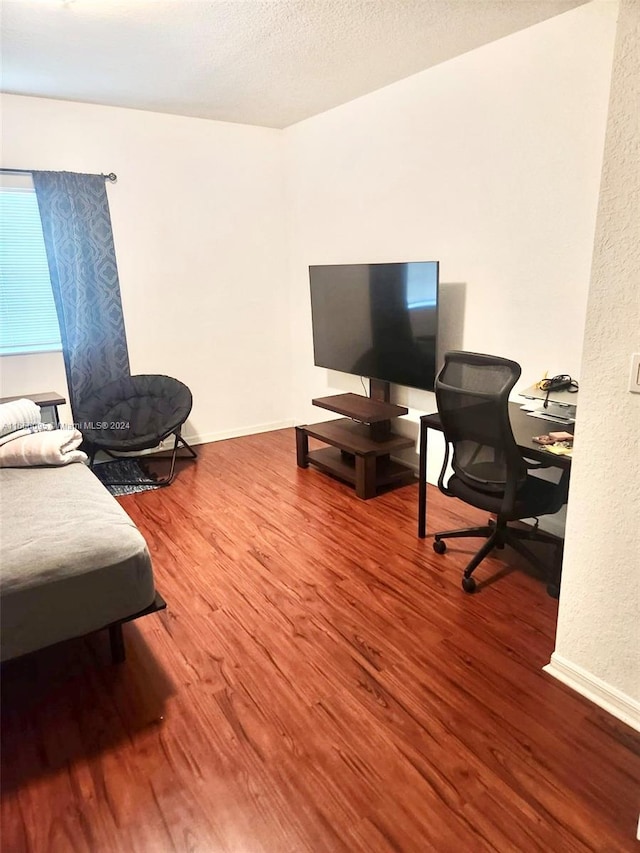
634	376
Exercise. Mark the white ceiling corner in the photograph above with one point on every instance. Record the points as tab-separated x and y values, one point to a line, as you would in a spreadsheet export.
262	62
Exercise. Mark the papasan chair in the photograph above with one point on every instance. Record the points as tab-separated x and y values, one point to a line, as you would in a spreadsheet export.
136	413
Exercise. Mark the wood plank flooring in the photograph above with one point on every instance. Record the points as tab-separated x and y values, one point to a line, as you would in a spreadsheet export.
319	682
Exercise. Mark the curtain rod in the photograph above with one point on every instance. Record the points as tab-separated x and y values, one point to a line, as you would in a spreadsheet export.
110	177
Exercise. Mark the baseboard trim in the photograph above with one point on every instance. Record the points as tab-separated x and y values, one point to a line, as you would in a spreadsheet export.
206	437
597	691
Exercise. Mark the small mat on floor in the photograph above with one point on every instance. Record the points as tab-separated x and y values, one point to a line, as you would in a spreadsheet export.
109	473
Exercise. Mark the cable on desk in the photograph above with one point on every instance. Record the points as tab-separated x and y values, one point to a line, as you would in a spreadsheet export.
561	382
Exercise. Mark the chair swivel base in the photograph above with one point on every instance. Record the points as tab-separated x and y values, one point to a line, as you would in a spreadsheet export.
498	534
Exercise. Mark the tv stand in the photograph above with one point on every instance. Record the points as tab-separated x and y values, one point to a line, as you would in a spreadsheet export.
360	444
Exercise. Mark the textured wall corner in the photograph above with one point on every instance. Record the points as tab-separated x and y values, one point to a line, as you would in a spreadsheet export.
598	624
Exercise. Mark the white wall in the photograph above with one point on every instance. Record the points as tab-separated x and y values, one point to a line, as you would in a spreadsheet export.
598	639
198	221
489	163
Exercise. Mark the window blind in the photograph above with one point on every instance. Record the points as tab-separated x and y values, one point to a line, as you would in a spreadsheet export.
28	320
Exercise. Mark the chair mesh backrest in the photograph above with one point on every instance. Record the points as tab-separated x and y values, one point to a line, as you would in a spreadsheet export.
472	392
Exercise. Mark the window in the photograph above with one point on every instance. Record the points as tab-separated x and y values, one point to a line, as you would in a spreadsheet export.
28	320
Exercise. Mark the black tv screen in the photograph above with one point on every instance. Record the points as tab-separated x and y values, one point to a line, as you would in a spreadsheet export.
377	320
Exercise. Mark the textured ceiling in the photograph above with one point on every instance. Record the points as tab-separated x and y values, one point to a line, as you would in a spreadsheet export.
264	62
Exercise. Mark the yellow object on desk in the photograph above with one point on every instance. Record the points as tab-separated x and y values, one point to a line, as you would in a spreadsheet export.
541	382
560	448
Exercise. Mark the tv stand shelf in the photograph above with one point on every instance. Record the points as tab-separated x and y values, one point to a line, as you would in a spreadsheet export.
360	408
360	445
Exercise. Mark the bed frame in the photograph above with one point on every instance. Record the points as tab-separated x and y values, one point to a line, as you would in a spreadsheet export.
116	635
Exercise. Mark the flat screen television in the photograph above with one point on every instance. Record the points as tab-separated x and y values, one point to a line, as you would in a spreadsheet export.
377	320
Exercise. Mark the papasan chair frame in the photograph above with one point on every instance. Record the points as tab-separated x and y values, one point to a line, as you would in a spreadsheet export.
136	413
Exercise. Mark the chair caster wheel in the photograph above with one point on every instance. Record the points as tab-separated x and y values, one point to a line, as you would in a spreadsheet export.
553	590
469	584
439	546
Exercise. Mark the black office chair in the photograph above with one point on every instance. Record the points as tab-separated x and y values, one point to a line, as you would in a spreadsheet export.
489	471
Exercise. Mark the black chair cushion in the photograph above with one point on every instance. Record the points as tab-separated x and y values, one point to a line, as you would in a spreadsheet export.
135	412
535	497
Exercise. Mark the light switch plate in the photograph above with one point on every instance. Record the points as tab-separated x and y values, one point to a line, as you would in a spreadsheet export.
634	375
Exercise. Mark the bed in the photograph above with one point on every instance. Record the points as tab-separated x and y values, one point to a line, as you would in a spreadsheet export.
73	562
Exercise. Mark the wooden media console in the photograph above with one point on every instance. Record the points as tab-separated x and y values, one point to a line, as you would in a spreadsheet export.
360	444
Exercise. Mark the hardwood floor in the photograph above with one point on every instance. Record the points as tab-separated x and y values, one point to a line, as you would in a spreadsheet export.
319	682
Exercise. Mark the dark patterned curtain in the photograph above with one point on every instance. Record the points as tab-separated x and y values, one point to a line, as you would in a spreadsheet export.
82	263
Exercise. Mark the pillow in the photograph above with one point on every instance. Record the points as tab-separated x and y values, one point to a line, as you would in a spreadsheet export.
18	414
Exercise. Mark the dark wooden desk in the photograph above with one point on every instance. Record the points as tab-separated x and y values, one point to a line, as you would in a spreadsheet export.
524	428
